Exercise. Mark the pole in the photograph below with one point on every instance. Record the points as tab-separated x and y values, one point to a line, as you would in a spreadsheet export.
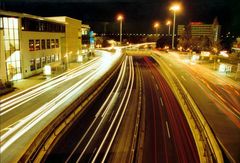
120	32
169	29
174	18
156	31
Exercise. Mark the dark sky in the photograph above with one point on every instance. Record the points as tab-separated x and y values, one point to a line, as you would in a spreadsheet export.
139	14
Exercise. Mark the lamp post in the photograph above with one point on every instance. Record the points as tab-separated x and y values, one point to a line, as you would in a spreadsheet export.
156	26
174	8
120	19
169	26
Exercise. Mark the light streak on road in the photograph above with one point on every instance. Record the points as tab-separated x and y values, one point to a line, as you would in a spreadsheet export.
15	101
15	132
107	113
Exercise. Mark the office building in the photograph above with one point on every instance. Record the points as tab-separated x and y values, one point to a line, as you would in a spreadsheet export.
198	29
28	42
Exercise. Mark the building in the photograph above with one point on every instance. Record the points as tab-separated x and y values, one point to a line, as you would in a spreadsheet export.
29	42
198	29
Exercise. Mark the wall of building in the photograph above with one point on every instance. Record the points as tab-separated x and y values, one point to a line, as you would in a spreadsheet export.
3	75
41	55
73	38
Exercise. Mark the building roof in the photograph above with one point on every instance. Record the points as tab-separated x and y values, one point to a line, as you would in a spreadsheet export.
24	15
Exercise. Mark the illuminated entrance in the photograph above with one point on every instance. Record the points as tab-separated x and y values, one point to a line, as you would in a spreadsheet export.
11	47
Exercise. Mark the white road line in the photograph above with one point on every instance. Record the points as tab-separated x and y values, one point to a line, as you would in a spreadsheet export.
169	136
183	77
161	101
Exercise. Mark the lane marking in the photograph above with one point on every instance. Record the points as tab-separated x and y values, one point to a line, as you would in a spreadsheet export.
161	101
183	77
169	136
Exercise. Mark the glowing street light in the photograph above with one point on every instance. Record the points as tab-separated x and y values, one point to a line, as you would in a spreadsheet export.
156	26
174	8
120	18
169	26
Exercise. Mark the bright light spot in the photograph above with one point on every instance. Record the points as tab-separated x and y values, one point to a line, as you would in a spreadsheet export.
195	57
17	76
80	58
224	53
175	7
186	61
205	53
222	68
47	70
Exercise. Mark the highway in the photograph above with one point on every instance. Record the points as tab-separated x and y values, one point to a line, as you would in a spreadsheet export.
94	144
108	129
168	137
25	114
216	96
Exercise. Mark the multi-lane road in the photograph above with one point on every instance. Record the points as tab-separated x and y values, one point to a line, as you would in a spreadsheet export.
24	115
135	118
217	97
139	99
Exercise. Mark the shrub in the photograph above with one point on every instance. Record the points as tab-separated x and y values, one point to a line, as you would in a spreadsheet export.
9	84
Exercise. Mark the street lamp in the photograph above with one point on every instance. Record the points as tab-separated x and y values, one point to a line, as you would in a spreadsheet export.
156	26
120	18
174	8
169	26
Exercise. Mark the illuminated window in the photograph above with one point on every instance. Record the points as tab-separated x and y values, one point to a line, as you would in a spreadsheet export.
1	22
57	43
38	63
48	44
11	50
31	45
43	61
32	65
52	58
52	43
37	45
48	59
56	57
43	44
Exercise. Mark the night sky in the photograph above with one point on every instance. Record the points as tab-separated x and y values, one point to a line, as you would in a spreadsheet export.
139	14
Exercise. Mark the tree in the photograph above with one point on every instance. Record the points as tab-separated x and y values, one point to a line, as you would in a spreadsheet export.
185	38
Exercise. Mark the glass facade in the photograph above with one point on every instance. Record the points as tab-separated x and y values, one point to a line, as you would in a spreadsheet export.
10	28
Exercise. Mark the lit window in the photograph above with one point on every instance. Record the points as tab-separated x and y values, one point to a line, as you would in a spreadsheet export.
48	59
52	43
32	64
37	45
43	61
31	45
38	63
52	58
1	23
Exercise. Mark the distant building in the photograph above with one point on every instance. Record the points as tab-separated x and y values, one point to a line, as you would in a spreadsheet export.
199	29
236	46
28	42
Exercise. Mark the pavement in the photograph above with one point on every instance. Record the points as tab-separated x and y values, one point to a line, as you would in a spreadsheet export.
23	84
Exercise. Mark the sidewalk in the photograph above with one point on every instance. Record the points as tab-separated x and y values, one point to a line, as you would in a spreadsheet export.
23	84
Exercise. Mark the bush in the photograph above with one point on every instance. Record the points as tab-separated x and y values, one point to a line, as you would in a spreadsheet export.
9	84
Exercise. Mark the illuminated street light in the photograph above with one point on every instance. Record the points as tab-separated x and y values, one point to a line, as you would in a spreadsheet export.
120	18
169	26
156	26
174	8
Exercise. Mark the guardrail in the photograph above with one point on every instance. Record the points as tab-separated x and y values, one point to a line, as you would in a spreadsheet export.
48	135
208	148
